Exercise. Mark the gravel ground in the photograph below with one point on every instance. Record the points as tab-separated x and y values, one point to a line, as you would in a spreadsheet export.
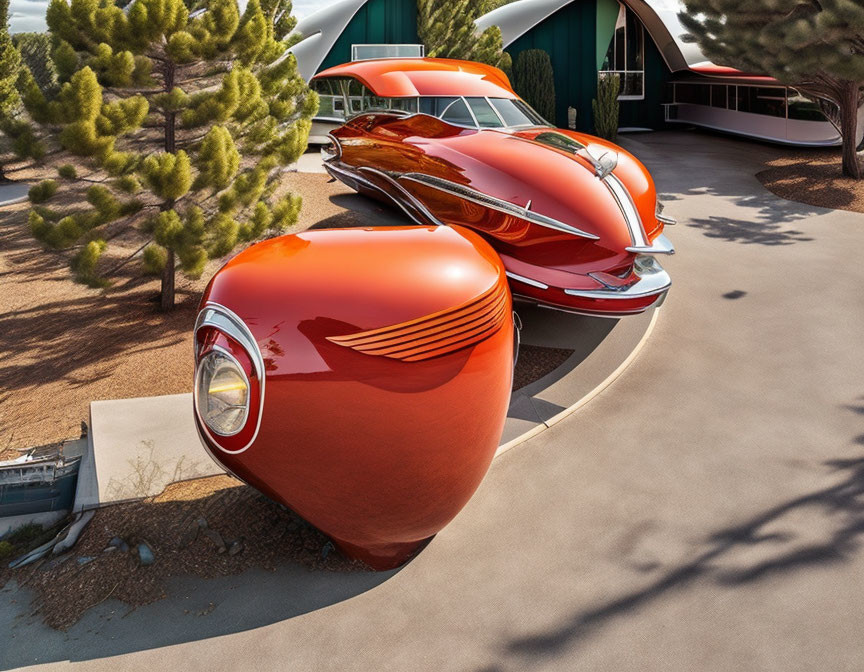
535	362
814	178
207	528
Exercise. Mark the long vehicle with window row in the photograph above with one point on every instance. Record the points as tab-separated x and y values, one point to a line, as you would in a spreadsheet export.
575	219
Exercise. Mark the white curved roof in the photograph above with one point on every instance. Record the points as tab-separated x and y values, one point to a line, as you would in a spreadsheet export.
659	16
320	30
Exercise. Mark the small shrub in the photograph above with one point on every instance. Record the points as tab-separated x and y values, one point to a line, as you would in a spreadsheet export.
67	171
605	107
128	184
26	534
39	193
6	550
84	264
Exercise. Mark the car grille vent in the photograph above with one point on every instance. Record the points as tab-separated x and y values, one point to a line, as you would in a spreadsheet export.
437	334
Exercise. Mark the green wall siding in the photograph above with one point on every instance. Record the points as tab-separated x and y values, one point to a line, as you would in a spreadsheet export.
376	22
570	38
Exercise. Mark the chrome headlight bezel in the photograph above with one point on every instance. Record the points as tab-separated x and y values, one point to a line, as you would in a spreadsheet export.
214	316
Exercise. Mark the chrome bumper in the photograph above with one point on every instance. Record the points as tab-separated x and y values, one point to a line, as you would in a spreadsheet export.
653	281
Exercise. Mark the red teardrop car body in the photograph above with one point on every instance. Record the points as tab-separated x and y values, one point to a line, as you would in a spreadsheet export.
379	363
574	218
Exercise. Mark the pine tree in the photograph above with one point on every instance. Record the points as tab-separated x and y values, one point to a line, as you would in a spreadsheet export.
534	81
10	65
186	122
35	50
815	47
447	29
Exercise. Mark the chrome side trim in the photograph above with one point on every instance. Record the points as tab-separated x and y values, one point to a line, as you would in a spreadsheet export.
628	209
417	205
653	280
667	221
469	194
332	156
343	174
225	320
661	245
527	281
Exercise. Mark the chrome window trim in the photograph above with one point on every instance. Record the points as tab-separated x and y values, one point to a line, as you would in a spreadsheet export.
497	113
470	111
461	191
227	321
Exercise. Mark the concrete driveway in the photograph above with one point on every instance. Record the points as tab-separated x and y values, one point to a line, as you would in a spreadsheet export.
705	512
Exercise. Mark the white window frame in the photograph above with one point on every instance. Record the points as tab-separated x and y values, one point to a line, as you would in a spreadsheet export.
385	44
623	73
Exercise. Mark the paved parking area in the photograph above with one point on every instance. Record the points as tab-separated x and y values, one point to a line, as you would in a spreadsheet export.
705	512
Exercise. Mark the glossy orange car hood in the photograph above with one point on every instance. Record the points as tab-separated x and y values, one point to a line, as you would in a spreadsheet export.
437	268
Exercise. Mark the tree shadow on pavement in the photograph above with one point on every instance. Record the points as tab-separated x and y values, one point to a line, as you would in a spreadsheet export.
771	542
758	217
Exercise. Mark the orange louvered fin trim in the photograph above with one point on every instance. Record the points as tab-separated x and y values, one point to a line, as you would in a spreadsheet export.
437	334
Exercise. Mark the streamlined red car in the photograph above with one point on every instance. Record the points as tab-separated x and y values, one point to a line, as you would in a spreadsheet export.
359	376
575	219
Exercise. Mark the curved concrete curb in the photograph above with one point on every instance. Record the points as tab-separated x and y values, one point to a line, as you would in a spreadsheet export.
137	447
606	382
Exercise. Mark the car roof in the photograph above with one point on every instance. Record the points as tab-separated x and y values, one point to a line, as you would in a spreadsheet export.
401	77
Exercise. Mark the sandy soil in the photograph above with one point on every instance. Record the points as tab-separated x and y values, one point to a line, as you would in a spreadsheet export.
814	177
63	345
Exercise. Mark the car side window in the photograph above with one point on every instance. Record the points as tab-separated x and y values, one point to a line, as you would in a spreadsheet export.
484	113
458	113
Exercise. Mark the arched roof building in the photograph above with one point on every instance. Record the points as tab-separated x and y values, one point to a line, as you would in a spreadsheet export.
665	80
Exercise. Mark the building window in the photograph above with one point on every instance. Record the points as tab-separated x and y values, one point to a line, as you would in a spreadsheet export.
802	108
365	52
763	100
625	55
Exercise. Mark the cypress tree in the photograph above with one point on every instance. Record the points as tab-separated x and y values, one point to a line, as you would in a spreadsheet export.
446	28
185	122
534	81
815	47
606	107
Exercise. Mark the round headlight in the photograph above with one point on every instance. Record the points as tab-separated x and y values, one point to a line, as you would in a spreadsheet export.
223	393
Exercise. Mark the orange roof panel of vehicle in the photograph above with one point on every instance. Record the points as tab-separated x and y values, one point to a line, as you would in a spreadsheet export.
405	77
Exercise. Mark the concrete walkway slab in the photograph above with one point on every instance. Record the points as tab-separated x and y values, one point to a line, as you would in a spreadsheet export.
142	445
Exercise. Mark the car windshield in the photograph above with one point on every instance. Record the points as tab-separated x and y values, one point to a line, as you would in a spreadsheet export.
474	111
